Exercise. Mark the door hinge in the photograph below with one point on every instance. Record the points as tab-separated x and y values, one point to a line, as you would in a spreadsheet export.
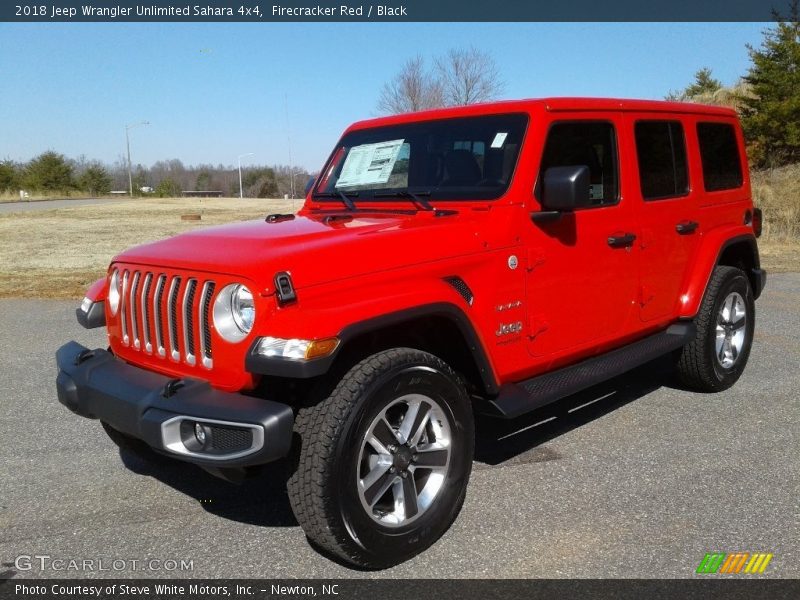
535	260
645	296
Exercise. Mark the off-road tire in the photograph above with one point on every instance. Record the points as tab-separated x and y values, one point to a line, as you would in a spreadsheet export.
697	365
323	484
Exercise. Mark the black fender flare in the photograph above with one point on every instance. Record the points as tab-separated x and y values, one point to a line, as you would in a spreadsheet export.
294	369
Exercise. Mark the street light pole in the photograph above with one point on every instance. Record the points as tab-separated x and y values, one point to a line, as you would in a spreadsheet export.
241	156
128	143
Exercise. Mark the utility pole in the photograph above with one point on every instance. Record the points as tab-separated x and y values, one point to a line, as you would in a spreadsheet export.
289	144
128	143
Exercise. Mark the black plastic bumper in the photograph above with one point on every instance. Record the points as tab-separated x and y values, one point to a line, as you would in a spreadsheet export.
97	385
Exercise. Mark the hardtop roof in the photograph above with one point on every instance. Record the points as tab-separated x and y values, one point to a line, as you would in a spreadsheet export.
556	104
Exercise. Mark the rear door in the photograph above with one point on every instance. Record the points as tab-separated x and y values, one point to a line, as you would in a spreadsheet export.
667	206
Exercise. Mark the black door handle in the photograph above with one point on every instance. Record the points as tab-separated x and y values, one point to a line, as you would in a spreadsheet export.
685	227
620	241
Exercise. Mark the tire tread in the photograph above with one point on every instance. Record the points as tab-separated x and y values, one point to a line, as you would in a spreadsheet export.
319	427
695	367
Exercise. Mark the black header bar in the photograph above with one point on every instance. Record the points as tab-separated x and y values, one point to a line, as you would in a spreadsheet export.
43	11
697	588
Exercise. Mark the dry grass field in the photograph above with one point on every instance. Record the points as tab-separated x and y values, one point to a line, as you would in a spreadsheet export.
777	193
58	253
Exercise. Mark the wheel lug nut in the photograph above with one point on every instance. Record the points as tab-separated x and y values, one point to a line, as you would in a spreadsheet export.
392	448
415	457
392	469
404	474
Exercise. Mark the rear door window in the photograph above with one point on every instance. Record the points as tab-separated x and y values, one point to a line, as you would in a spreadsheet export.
661	154
719	152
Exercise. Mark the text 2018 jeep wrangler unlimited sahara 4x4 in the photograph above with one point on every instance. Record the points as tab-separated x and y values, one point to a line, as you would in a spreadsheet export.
498	257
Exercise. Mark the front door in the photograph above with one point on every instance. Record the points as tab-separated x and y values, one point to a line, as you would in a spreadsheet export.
582	267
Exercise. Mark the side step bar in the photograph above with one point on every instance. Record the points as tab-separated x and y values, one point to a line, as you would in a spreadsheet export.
519	398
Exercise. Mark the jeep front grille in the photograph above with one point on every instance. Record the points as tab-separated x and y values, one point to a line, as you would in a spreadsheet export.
163	314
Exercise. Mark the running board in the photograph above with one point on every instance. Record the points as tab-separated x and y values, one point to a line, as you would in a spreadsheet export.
516	399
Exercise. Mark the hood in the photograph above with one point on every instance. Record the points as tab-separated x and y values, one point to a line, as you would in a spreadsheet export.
314	248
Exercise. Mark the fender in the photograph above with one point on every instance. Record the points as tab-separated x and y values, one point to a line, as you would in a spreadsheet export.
91	313
707	256
281	367
97	291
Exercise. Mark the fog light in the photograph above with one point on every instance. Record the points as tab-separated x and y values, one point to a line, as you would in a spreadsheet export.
200	433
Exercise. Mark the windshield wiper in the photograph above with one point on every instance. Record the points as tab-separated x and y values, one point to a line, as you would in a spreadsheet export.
339	194
415	196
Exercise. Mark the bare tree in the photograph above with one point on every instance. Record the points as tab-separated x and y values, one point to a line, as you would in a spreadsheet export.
468	76
462	76
412	89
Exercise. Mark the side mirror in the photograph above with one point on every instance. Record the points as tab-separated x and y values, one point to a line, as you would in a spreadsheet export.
566	188
309	185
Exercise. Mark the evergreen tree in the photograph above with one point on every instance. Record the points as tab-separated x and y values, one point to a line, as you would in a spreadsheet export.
168	188
95	180
704	83
771	117
9	177
49	172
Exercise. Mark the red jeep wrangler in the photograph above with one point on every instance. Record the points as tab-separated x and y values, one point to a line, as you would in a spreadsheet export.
491	258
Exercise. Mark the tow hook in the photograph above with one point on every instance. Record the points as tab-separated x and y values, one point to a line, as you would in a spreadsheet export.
171	388
83	356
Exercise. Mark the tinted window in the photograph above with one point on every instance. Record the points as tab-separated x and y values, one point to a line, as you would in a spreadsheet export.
661	152
587	143
462	158
719	151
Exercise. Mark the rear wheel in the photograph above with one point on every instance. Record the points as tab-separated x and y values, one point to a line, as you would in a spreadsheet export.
716	358
384	460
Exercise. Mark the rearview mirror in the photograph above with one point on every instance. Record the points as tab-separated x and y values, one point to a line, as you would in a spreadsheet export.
309	185
566	188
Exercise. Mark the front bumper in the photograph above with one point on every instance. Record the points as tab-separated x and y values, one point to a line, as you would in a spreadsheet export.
242	431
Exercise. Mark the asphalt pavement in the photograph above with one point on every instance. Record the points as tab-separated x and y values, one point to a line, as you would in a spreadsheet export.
633	478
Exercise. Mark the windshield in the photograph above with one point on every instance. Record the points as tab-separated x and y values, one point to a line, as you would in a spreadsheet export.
463	158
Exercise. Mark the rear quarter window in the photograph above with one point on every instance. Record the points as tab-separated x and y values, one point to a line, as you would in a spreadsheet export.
719	153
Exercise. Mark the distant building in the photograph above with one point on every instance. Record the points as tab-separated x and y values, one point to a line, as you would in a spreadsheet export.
201	193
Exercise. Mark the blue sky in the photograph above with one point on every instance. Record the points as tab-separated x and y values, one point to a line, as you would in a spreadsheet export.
213	91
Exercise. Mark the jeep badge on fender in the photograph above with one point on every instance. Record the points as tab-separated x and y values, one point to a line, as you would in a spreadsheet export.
489	258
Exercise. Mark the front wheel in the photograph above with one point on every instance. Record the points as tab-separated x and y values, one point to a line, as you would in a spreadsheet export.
717	356
383	464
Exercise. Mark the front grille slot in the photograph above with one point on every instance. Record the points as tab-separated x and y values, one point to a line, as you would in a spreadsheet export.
124	310
202	323
188	321
148	279
172	318
134	316
158	297
159	315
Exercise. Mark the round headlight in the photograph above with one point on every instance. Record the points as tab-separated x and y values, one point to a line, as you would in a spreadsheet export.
244	311
234	312
113	293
